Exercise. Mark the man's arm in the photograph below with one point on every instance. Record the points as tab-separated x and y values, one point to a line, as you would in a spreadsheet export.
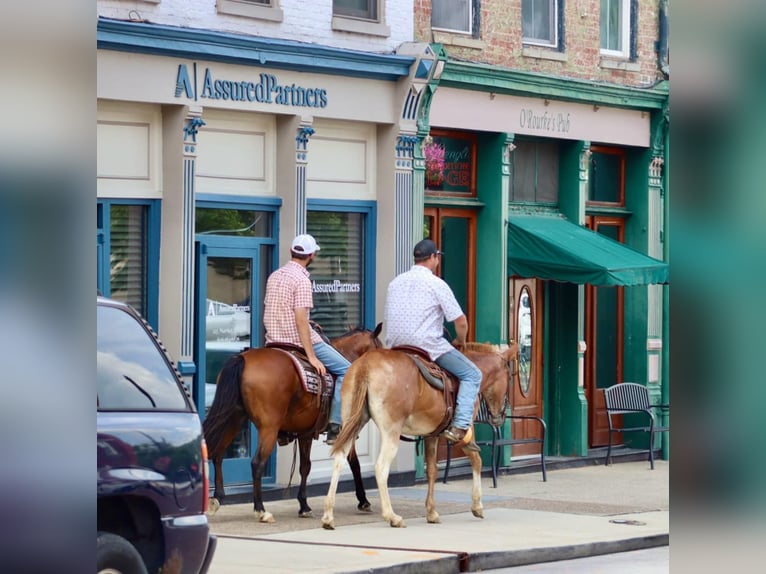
461	330
304	332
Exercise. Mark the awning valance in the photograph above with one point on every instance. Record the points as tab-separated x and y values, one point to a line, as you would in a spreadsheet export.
550	247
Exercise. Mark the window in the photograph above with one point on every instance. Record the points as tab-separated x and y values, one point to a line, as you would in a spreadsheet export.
341	273
453	15
616	33
535	172
132	371
364	9
607	176
128	253
539	22
262	9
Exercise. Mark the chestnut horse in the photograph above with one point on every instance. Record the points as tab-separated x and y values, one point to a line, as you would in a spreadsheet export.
263	385
386	386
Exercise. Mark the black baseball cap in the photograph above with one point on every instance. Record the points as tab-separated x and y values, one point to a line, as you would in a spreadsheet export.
424	249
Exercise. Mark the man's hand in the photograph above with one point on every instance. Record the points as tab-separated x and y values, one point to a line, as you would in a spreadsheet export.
318	365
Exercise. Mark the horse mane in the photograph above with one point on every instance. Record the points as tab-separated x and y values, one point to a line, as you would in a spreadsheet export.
481	347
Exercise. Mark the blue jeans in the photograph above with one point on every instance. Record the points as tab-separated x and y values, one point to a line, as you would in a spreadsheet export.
337	364
470	380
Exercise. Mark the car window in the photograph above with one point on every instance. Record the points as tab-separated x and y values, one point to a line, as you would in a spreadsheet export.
132	371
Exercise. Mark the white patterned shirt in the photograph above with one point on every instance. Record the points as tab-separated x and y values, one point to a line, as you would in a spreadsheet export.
417	305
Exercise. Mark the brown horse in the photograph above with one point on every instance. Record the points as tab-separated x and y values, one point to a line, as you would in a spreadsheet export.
263	385
386	386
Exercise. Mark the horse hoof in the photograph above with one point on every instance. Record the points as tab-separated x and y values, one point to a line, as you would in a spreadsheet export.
478	513
266	517
212	506
397	522
329	525
364	507
435	519
306	514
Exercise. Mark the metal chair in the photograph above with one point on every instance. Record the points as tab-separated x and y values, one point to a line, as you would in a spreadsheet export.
627	398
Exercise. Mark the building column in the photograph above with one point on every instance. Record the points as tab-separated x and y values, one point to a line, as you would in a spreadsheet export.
304	132
193	122
409	201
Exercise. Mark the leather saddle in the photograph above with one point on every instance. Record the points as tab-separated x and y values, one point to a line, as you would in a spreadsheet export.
437	377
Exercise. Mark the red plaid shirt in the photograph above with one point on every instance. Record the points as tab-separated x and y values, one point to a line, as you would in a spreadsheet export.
287	289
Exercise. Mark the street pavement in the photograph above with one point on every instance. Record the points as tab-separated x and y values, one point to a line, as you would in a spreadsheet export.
584	511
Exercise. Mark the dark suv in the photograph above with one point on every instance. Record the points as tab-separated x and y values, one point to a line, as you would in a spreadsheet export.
152	459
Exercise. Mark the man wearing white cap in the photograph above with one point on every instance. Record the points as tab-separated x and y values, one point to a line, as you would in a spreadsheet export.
287	304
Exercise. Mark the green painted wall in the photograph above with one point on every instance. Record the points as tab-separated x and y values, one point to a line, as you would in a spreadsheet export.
491	239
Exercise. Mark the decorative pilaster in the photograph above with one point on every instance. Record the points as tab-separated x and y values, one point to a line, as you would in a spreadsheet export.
585	155
304	132
409	200
193	123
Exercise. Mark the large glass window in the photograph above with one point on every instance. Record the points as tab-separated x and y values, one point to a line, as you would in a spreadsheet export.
607	176
616	27
338	272
365	9
539	22
535	172
453	15
128	253
132	372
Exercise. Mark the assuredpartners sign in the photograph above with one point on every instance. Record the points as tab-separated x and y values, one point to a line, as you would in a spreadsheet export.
263	88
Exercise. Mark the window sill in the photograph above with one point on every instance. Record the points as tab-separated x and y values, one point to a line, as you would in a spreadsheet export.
360	26
236	8
614	64
543	54
458	40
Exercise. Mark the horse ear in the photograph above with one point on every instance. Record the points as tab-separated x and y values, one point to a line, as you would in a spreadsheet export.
377	330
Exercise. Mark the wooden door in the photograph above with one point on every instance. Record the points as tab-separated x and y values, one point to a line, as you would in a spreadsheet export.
526	326
454	232
604	318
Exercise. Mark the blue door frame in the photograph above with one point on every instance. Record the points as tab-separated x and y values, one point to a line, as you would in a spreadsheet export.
235	470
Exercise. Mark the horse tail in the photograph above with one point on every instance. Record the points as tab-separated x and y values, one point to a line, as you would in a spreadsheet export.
227	406
357	380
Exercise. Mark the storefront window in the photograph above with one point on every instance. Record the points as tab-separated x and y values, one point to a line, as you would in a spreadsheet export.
337	273
535	172
237	222
128	253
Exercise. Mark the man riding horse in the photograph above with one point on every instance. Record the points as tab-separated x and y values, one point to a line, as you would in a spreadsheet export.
287	303
417	304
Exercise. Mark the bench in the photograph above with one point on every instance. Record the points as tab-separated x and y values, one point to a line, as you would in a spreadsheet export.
497	442
627	398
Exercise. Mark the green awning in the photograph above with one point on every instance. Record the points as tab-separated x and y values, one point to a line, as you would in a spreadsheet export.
550	247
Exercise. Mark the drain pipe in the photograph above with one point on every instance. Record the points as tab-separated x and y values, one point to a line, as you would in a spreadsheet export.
662	40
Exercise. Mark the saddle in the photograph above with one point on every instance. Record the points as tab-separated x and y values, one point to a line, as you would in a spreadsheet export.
437	377
322	387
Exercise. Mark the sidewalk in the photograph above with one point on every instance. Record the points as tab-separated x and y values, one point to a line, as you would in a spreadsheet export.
577	512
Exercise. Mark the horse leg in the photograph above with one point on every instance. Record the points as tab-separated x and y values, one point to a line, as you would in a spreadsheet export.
353	461
328	520
218	493
267	438
476	507
304	448
431	471
388	448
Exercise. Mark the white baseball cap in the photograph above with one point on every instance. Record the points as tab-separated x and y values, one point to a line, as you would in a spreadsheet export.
305	245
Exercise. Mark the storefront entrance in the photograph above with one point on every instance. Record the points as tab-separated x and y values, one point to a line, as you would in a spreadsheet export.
526	327
231	274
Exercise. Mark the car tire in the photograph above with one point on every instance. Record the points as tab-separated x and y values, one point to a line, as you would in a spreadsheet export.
115	555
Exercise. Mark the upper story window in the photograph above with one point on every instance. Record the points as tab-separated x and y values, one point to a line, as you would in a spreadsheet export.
453	15
260	9
364	9
535	172
617	27
540	22
360	17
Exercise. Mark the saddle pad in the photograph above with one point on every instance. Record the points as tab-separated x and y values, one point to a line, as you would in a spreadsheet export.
309	377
